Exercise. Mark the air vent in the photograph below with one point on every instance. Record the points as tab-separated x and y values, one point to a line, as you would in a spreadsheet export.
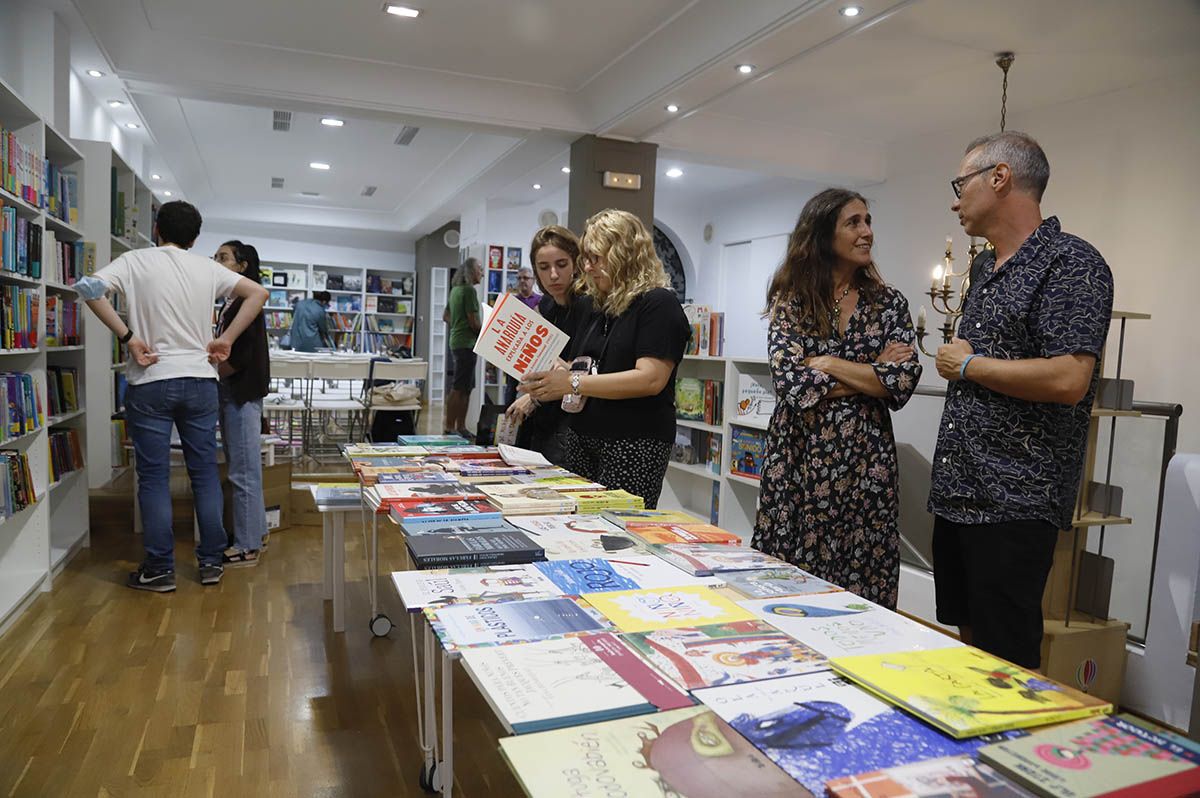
310	193
407	134
276	182
282	121
369	191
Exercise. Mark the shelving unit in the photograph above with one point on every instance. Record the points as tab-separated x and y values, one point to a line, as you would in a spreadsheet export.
503	278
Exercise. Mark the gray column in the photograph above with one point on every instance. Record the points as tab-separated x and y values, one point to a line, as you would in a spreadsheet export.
591	157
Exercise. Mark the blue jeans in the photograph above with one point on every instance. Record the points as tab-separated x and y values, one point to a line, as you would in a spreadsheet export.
241	431
190	405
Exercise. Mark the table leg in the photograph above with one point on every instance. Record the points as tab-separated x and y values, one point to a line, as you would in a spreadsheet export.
430	697
339	572
446	769
326	556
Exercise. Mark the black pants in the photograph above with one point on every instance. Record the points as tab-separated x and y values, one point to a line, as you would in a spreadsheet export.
637	465
991	577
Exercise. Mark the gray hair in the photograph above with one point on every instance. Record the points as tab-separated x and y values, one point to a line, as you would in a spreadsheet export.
1022	153
463	276
525	270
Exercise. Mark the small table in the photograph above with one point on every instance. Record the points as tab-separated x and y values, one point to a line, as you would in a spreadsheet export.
333	547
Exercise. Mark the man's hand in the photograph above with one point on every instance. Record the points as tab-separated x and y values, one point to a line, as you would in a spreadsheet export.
143	355
950	358
895	352
218	349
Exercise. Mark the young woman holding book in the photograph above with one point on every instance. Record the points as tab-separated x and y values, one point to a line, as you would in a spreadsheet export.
555	255
244	379
624	374
840	346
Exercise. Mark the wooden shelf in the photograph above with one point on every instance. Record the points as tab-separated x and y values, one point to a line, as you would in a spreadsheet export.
1129	314
695	469
1093	518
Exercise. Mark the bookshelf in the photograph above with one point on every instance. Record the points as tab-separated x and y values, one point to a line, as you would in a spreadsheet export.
499	278
43	205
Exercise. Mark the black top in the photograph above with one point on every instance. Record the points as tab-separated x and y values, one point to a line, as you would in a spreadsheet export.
572	319
248	357
653	326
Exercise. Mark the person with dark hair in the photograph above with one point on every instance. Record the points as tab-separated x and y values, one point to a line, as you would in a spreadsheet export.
463	316
245	379
1023	374
310	323
172	378
840	345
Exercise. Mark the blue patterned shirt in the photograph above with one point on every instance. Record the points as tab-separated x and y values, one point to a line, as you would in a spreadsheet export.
1004	459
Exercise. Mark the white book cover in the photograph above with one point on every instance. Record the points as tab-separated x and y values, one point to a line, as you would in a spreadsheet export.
755	399
415	491
516	456
843	624
318	280
517	340
434	588
574	536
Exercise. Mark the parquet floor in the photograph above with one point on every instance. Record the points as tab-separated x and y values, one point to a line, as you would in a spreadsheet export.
234	690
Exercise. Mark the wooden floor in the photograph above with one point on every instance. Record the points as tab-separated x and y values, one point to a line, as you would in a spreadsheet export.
234	690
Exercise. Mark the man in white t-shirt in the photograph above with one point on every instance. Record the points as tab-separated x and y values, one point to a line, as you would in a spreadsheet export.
172	378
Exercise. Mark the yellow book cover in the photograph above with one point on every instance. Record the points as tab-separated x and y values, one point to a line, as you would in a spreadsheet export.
966	692
666	608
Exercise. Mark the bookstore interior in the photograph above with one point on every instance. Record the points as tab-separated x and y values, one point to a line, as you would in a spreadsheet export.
603	449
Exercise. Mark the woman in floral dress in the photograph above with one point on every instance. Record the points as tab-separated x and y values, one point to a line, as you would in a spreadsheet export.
841	356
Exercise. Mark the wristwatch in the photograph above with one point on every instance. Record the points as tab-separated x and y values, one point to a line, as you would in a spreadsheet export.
575	377
127	336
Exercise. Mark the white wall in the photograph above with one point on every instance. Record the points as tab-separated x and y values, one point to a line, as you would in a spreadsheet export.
90	122
298	251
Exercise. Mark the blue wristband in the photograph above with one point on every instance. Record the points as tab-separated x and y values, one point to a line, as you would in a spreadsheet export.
962	370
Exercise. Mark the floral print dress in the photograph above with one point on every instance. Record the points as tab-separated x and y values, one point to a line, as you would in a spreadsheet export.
829	501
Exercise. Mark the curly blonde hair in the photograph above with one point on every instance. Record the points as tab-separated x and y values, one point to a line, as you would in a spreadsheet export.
627	248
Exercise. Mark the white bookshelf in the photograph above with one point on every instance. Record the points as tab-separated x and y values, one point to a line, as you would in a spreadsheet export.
37	541
492	379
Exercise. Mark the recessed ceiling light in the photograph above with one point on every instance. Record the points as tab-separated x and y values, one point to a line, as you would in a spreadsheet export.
537	186
156	177
401	11
132	125
115	103
318	165
672	108
850	11
166	193
330	121
674	171
566	170
95	73
745	69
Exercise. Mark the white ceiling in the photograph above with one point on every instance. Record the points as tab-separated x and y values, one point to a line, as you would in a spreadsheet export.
501	88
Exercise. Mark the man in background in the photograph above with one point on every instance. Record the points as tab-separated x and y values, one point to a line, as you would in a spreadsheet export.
310	323
172	376
462	314
531	298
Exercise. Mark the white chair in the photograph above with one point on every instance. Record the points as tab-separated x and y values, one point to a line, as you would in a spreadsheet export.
411	370
287	404
325	405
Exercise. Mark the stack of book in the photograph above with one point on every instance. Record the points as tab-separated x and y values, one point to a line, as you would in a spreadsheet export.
16	482
623	517
599	501
66	455
681	533
529	500
705	559
20	404
699	400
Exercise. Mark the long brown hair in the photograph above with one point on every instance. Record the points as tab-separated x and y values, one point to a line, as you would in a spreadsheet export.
559	238
806	274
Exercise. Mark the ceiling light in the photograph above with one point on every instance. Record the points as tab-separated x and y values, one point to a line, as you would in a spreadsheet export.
745	69
132	125
115	103
850	11
674	171
95	73
672	108
537	186
166	193
156	177
318	165
329	121
401	11
566	170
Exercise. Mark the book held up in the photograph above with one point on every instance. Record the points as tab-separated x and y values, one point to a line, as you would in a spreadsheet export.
518	340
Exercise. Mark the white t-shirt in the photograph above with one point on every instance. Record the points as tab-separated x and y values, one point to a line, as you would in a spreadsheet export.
170	294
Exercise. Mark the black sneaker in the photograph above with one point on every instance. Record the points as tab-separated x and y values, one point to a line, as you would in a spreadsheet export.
211	574
156	581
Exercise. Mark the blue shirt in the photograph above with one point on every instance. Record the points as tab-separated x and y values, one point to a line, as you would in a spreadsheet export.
310	326
1004	459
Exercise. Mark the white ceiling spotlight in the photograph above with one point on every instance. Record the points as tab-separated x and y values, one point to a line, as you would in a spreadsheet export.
323	167
133	125
95	73
401	11
537	186
566	170
166	193
330	121
672	108
674	171
745	69
115	103
156	177
850	11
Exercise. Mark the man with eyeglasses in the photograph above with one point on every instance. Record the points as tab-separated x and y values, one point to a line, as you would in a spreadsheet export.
1023	374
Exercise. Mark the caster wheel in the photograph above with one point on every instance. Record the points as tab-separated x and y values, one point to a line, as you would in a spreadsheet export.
381	625
426	776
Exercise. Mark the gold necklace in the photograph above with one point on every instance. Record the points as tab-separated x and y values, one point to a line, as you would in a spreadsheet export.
835	315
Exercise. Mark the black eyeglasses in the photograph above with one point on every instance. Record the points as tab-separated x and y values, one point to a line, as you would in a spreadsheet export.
958	182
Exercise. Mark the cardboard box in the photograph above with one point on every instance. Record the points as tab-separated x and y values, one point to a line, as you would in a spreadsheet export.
1089	656
277	496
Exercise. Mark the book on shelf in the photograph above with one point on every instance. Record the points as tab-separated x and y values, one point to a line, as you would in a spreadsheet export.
705	559
61	394
550	684
1111	756
518	340
63	325
724	653
698	400
665	608
573	536
708	331
747	447
319	277
463	625
786	580
755	399
697	447
443	586
16	491
334	282
348	303
20	244
22	169
622	517
278	298
944	777
62	193
679	752
20	404
66	454
72	260
352	282
19	316
473	549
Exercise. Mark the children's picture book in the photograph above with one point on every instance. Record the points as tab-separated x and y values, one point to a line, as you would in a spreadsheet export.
1100	757
843	624
432	441
574	536
462	625
481	547
774	582
529	499
725	653
495	257
518	340
665	608
747	447
819	727
945	777
439	511
755	399
357	450
512	258
622	570
966	692
598	501
682	533
439	587
418	477
623	517
567	681
689	398
682	752
564	484
705	559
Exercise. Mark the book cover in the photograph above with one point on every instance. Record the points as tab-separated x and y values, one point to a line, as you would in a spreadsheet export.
1098	757
490	468
819	727
516	456
465	526
945	777
689	398
597	501
382	450
457	510
843	624
774	582
966	692
630	570
574	536
621	517
410	492
665	608
755	399
704	559
529	498
726	653
439	587
563	484
464	625
683	752
406	477
518	340
337	495
746	450
432	440
481	547
682	533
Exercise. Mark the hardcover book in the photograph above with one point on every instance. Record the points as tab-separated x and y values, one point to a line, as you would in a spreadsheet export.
435	588
472	549
432	441
620	571
440	511
597	501
518	340
665	608
755	399
682	533
774	582
966	692
337	495
747	448
726	653
574	536
684	752
414	492
529	499
464	625
406	477
466	526
704	559
946	777
624	516
689	398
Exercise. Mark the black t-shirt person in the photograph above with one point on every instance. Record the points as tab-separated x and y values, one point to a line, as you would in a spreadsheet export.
652	326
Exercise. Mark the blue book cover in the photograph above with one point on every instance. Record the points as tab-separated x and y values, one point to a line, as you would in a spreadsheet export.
593	575
432	440
513	622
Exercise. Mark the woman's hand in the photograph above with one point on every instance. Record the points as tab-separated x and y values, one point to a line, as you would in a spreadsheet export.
521	407
547	386
839	391
824	363
895	352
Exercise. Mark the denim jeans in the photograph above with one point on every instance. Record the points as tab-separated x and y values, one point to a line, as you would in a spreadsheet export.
241	431
190	405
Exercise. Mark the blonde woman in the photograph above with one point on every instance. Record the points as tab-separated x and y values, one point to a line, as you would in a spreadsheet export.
622	438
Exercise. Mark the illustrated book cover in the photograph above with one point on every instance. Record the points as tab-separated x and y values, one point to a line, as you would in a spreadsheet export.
462	625
774	582
945	777
438	587
665	608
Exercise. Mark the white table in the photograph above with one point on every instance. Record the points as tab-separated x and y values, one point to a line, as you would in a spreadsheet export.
333	548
